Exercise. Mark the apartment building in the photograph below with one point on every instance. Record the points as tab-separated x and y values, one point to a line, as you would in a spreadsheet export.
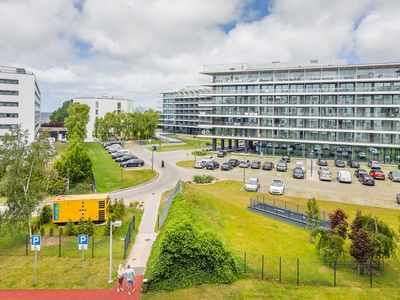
181	111
100	106
332	109
20	101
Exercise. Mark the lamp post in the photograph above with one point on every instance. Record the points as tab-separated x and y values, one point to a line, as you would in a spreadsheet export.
244	167
311	156
154	148
115	224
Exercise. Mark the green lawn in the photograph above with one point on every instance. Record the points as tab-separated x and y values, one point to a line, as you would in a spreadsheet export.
189	142
108	173
185	163
223	207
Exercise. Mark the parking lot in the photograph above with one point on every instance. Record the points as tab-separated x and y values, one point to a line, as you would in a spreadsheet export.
382	194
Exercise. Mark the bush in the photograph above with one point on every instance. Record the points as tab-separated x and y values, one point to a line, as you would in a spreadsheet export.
184	254
42	231
60	231
203	179
45	214
90	227
70	228
81	228
133	204
199	153
51	232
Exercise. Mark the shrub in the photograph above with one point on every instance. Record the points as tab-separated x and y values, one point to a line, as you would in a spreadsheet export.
199	153
45	214
51	232
330	246
60	231
70	228
111	218
184	254
133	204
90	227
203	178
81	228
42	231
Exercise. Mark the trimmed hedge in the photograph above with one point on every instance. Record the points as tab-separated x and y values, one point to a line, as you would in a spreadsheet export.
203	178
184	254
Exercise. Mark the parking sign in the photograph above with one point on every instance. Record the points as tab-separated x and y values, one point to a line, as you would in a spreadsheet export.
35	242
83	242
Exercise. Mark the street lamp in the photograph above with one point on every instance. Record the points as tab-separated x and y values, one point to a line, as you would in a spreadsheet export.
311	156
115	224
244	167
154	148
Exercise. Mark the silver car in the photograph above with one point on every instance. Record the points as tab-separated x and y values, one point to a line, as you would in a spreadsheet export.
252	185
198	165
325	175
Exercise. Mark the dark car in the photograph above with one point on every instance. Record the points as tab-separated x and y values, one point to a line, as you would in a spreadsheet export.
226	166
132	163
235	162
298	173
283	146
322	162
268	165
377	174
362	155
212	165
286	158
125	158
106	144
281	166
366	179
394	176
357	172
353	164
256	164
398	198
221	153
339	163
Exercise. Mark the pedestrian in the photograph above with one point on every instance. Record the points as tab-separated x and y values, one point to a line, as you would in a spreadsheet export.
130	279
120	278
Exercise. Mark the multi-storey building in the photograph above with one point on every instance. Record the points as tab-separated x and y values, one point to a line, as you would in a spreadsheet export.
333	109
100	106
20	101
181	111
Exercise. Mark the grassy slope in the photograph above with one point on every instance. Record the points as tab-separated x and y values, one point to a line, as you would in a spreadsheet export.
185	163
189	143
224	206
108	173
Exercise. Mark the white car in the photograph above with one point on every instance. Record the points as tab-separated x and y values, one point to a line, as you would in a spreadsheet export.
325	175
300	164
277	187
344	176
198	165
252	185
207	159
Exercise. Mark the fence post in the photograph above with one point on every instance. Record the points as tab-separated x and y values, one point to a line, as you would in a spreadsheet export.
26	244
370	273
298	272
334	273
93	246
262	268
59	245
280	268
134	221
244	263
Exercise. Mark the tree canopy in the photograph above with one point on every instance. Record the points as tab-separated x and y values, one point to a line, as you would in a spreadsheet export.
60	113
78	117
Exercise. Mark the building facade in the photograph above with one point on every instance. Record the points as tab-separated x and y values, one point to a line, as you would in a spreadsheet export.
181	110
332	109
20	101
99	107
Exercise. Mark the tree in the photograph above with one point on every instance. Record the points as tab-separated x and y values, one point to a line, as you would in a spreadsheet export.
330	246
338	222
313	218
78	117
61	113
45	215
361	247
26	174
76	162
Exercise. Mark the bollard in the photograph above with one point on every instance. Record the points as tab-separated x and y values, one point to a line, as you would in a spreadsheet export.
145	285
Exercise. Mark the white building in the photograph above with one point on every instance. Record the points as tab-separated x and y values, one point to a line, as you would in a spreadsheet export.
100	106
19	101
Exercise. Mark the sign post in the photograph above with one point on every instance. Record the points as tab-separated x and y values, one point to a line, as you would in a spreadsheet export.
154	148
35	246
83	241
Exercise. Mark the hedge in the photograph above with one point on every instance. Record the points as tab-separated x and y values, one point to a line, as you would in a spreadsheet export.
185	254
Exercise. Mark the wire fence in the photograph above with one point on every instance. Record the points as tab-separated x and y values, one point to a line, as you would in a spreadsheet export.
312	272
177	190
128	236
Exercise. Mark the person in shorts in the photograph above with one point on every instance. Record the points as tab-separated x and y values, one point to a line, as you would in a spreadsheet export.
120	277
130	278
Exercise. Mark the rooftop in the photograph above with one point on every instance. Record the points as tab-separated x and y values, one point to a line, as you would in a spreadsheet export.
82	197
14	70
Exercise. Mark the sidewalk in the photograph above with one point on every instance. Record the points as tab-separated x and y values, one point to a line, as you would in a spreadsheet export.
110	294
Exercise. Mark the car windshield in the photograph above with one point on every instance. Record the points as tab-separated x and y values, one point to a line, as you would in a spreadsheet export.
282	163
252	181
277	183
361	171
396	174
298	170
325	172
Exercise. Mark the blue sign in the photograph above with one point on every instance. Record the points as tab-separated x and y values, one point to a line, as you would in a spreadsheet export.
83	241
257	148
56	211
35	242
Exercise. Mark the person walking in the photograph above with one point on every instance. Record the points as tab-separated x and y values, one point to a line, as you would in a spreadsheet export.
120	278
130	279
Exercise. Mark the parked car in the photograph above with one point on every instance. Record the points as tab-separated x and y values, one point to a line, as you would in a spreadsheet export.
322	162
252	185
398	198
268	165
298	173
212	165
125	157
113	148
255	164
207	159
344	176
325	175
281	166
362	155
374	164
300	164
222	153
353	164
339	163
286	158
226	166
357	172
366	179
377	174
322	169
244	163
277	187
283	146
345	154
107	144
394	176
373	150
235	162
132	163
198	165
120	153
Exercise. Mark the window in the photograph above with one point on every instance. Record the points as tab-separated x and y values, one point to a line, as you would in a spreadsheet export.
7	126
13	93
8	103
97	104
9	81
8	115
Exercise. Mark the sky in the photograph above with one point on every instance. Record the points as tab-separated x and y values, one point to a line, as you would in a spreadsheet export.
137	49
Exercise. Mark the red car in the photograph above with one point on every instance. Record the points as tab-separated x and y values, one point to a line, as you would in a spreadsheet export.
377	174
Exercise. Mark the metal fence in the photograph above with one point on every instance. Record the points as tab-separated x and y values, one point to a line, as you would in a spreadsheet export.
314	272
285	211
128	236
177	190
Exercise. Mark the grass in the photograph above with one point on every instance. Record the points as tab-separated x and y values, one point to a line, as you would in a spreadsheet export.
189	142
108	173
223	207
52	270
60	148
185	163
